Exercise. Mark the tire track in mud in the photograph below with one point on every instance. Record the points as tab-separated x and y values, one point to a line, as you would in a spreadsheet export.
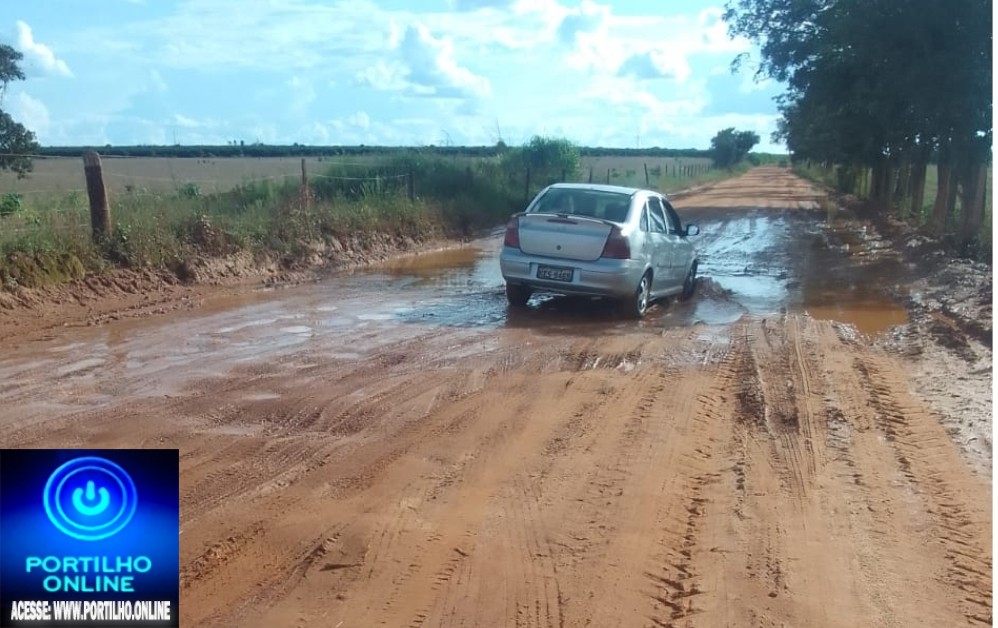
584	563
534	595
773	372
764	511
673	581
351	479
919	443
448	578
884	526
850	549
295	441
447	418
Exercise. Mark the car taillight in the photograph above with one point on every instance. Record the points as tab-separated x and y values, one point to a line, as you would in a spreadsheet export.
617	246
512	234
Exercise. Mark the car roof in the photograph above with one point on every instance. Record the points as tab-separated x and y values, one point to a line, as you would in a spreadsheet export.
599	187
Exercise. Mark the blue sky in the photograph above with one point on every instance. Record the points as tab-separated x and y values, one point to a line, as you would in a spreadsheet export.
619	73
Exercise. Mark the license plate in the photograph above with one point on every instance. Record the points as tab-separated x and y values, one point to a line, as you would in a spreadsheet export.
555	273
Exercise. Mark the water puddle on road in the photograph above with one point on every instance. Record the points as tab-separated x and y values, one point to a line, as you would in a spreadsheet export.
869	317
756	263
462	267
799	263
849	278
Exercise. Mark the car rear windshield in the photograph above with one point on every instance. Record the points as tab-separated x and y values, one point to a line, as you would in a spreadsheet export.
579	202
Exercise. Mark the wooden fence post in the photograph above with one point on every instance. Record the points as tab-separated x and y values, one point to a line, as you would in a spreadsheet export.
608	176
526	187
412	186
304	186
590	174
564	175
647	181
100	213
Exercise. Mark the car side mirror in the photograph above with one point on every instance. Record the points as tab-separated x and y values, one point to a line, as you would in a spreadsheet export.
692	230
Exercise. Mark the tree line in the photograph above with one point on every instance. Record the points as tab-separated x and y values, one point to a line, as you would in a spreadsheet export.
301	150
885	88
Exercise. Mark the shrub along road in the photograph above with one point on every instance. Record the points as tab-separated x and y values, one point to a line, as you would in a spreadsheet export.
396	449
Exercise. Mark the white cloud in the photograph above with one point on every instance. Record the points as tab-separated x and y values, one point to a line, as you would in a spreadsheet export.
713	31
185	122
513	38
655	64
394	35
360	120
213	34
588	30
30	112
475	5
432	64
359	128
510	24
644	46
38	54
301	94
590	17
156	81
384	75
625	94
424	65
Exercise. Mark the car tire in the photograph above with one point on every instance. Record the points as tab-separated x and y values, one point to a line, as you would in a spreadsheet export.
690	283
636	306
517	296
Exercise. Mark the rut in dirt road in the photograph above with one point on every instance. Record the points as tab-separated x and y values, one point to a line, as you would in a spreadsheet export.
774	470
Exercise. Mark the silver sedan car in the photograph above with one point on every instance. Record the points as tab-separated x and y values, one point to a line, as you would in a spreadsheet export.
599	240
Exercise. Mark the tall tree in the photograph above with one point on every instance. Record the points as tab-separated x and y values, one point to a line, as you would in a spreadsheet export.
730	146
883	85
16	142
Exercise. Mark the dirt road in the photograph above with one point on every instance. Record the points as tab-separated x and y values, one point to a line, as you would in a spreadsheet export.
397	449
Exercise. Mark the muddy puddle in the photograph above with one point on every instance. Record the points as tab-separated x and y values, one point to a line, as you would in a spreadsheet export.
751	264
757	263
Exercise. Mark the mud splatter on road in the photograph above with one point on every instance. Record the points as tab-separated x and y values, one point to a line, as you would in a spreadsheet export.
393	447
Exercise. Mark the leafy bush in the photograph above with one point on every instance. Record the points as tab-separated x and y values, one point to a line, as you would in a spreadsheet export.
11	204
190	190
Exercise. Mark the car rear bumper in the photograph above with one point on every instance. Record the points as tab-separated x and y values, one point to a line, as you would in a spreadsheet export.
600	278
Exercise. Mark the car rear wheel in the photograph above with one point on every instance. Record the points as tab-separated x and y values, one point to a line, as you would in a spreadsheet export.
690	284
637	305
518	295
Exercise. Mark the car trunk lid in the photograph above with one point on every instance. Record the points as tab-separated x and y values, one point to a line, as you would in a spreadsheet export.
563	236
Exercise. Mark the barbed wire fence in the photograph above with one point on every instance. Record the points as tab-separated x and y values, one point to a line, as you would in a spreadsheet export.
66	207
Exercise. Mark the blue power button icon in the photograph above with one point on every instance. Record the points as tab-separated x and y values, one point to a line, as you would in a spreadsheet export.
90	498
